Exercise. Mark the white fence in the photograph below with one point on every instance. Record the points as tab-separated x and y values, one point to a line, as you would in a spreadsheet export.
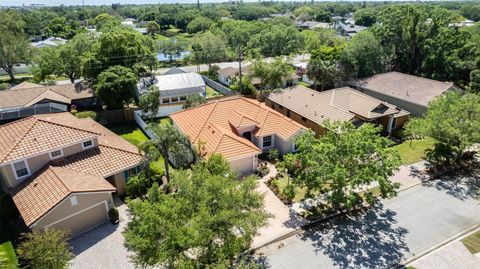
20	112
137	115
217	86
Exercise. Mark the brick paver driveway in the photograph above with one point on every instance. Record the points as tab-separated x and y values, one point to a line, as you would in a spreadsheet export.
102	247
400	228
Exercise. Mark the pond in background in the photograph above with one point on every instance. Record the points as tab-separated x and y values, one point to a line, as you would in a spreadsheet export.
165	58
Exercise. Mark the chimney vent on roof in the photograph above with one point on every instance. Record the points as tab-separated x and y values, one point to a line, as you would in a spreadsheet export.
35	183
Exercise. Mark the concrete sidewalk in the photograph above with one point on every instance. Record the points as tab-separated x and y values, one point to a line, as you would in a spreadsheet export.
453	255
283	221
411	175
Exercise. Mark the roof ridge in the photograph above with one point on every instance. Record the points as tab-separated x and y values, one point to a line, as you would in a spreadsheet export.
206	121
21	138
61	180
49	89
127	151
64	125
420	77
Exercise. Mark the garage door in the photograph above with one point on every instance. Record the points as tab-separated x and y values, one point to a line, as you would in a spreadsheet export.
84	221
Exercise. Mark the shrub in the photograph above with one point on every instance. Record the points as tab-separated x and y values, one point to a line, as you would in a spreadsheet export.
273	154
212	72
289	192
290	162
86	114
262	169
4	86
45	249
113	215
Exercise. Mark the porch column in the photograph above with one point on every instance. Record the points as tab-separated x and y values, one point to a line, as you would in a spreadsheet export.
390	124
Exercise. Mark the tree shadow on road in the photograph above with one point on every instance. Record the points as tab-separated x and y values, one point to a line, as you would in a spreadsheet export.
365	240
463	185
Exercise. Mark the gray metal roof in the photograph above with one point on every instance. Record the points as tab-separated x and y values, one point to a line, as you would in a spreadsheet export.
174	84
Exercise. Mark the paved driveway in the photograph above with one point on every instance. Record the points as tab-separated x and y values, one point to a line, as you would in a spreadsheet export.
102	247
400	228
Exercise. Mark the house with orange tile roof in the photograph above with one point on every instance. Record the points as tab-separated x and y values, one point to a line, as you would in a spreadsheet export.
239	129
61	171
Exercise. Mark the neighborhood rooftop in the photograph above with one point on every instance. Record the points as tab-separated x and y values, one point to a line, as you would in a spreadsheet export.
27	94
174	84
216	125
341	104
49	186
83	171
414	89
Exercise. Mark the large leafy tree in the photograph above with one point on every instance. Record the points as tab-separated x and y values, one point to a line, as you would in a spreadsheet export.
199	24
115	87
173	47
105	22
44	63
366	16
14	45
171	144
363	56
60	27
153	28
277	40
120	47
208	48
406	30
71	55
454	121
324	67
46	249
345	161
149	102
271	75
206	223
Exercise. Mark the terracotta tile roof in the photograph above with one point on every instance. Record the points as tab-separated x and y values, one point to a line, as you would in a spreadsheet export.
214	123
26	94
107	137
342	104
411	88
51	185
32	135
101	161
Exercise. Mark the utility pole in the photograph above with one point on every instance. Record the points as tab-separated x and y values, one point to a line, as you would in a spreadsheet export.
198	4
240	84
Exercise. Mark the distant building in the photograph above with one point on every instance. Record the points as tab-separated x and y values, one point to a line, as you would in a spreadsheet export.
348	29
229	74
49	42
27	99
174	89
313	25
464	23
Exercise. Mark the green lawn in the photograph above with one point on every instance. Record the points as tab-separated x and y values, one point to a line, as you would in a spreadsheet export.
8	258
282	183
472	242
132	133
414	150
212	93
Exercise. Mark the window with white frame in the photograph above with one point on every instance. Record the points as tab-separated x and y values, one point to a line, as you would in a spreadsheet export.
174	99
56	154
183	98
394	123
21	169
267	141
73	200
165	100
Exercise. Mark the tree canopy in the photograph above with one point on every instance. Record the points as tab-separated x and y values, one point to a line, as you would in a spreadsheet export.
453	120
116	86
206	222
45	249
344	162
